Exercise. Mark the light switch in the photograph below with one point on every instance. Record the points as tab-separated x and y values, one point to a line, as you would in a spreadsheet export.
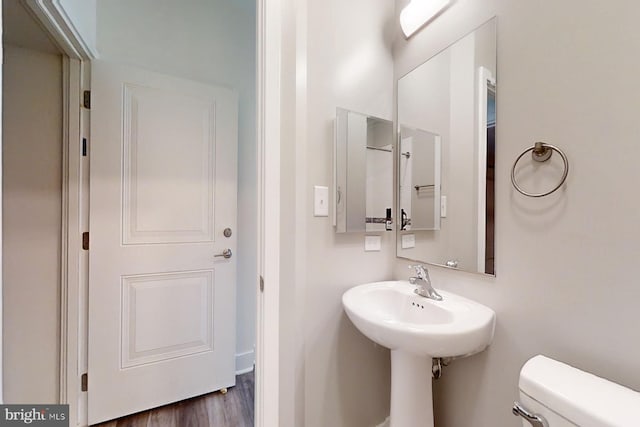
372	243
320	201
408	241
443	206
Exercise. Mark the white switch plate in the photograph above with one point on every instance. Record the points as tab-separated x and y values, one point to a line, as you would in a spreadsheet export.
443	206
320	201
408	241
372	243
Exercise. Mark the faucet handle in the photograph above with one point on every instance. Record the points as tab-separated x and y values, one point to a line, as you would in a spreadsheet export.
421	271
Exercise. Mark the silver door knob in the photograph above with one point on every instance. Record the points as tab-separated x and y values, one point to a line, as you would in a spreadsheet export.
226	254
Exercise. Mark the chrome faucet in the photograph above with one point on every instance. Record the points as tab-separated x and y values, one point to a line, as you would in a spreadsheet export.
423	283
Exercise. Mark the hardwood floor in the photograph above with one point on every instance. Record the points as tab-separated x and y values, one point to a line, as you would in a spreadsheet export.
234	409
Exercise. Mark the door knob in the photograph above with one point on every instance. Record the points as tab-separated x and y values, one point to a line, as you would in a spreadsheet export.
226	254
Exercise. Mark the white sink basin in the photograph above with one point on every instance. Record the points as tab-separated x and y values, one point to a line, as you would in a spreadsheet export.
417	329
392	315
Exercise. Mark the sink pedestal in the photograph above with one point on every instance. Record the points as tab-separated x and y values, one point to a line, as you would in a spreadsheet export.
416	328
411	390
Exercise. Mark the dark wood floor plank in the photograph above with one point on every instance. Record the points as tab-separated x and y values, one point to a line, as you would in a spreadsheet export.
136	420
215	409
164	416
233	409
246	397
192	413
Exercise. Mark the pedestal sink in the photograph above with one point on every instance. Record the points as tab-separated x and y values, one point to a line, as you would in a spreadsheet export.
416	330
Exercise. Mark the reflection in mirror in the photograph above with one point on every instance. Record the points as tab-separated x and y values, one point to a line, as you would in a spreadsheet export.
419	183
446	123
363	173
486	197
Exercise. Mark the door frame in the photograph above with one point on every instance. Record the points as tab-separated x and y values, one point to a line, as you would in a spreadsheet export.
1	237
75	213
268	48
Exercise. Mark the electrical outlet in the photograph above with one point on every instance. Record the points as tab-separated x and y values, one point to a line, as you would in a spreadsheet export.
372	243
408	241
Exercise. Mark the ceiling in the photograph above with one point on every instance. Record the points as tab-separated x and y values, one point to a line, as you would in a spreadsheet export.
21	29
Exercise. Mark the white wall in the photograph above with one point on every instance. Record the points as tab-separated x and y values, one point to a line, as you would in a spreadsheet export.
31	192
334	55
211	42
566	284
82	14
425	202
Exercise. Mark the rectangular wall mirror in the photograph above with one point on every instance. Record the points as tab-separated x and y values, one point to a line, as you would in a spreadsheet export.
363	178
446	127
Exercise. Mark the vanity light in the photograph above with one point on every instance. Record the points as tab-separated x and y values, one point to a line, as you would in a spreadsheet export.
419	12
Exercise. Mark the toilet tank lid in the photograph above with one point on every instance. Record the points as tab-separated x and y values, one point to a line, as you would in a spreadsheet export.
581	397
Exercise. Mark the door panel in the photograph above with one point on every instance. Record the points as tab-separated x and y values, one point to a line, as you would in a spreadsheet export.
170	136
163	189
147	337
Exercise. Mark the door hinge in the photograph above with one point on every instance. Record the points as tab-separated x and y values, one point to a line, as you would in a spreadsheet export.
84	382
86	99
85	240
261	284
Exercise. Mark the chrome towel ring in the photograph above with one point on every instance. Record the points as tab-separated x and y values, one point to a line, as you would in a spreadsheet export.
541	152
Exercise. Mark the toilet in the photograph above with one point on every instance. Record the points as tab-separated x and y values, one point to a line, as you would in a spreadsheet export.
558	395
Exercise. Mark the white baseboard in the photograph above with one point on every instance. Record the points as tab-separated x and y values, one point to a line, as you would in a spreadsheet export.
245	362
385	423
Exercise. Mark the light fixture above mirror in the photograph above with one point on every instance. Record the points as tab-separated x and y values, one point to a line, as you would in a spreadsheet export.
419	12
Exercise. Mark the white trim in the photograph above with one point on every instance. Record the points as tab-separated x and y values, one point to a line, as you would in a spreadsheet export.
74	281
484	78
58	24
267	392
1	274
81	298
245	362
64	232
71	280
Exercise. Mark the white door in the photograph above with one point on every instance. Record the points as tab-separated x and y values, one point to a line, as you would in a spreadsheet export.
163	190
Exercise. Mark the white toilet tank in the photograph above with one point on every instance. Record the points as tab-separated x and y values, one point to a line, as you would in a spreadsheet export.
567	397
